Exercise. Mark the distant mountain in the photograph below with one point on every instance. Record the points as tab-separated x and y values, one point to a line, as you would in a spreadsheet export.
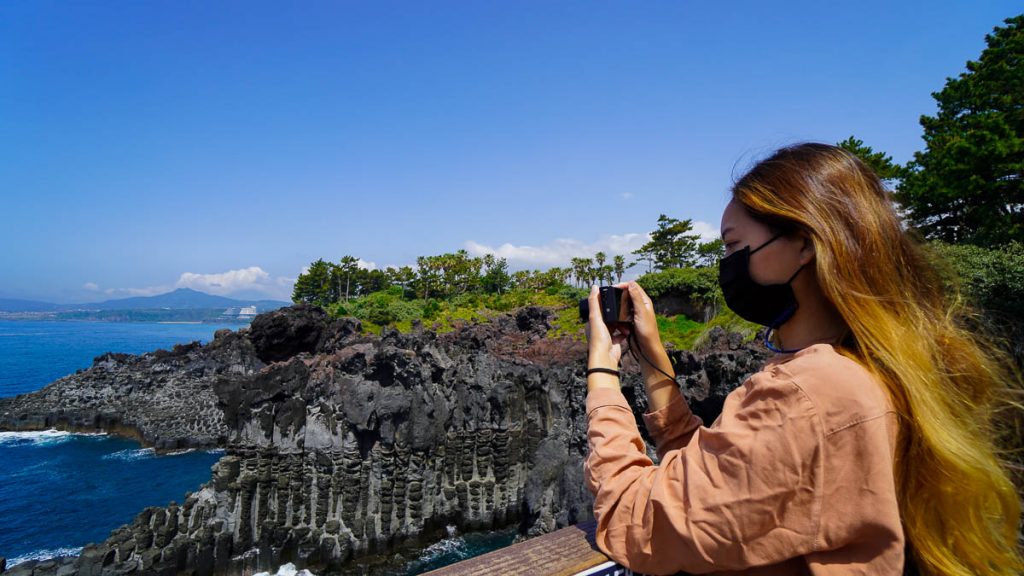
180	299
15	305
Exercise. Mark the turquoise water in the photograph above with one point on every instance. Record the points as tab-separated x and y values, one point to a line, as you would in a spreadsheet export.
60	491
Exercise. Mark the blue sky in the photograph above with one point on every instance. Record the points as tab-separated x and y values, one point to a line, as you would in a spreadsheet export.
225	145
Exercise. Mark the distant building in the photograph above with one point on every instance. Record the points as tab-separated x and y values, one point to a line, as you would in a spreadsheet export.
240	313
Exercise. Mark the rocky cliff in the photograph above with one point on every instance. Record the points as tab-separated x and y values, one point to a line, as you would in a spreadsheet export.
340	446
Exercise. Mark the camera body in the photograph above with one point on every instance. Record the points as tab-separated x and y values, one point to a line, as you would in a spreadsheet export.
616	307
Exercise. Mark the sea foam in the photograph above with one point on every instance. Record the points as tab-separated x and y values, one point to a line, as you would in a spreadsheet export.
42	555
287	570
130	455
454	546
41	437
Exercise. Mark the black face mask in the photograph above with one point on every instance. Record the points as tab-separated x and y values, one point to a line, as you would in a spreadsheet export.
766	304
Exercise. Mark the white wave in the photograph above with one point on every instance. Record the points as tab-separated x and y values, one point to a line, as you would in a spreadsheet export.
41	437
42	555
287	570
456	546
190	450
130	455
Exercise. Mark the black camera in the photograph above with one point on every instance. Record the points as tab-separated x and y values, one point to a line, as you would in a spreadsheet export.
616	307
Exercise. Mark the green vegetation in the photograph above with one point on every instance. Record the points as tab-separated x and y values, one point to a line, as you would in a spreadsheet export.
673	245
462	290
989	278
881	163
679	331
967	185
389	308
446	290
698	284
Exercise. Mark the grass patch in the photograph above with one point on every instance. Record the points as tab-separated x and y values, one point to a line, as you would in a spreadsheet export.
566	324
730	322
679	330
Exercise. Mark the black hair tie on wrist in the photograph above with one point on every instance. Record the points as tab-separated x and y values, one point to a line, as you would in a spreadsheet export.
603	371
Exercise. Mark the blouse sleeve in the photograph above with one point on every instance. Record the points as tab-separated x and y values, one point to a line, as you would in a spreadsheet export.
672	426
746	492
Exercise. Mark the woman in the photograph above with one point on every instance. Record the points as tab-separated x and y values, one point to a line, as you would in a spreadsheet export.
868	431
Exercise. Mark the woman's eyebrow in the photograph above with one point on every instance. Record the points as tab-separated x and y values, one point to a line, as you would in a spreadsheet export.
726	231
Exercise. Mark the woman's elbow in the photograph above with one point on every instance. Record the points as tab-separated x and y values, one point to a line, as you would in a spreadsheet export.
658	548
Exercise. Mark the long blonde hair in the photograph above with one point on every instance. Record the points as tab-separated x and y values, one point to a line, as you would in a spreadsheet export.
960	509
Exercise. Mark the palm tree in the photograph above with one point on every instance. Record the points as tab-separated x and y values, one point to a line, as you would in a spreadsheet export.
578	271
620	267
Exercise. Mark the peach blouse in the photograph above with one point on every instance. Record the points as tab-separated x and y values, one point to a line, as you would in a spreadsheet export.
794	477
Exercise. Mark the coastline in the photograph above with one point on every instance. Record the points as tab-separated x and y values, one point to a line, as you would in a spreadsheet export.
152	316
311	412
179	322
86	484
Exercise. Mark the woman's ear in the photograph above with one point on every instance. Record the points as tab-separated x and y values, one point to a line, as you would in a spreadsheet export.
807	250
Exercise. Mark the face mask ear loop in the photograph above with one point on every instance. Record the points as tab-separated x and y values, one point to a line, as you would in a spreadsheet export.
795	273
778	322
770	240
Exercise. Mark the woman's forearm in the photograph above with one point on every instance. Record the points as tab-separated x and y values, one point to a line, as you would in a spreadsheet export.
660	389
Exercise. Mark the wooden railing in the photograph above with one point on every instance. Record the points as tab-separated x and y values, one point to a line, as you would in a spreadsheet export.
570	551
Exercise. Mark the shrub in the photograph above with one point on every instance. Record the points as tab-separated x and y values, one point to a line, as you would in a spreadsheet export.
991	279
381	308
698	284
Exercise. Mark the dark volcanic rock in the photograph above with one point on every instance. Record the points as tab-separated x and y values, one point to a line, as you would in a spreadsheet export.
283	333
164	398
340	446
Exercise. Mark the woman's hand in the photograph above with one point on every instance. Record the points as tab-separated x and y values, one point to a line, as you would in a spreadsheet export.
604	348
644	322
654	362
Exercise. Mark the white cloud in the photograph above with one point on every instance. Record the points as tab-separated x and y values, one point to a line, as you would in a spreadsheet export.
707	231
224	283
562	250
147	291
366	265
250	280
92	286
627	195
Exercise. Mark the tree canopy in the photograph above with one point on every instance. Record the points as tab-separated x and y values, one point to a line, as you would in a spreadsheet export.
672	245
880	162
967	186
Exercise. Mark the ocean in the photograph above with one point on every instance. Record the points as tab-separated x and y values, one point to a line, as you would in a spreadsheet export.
60	491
